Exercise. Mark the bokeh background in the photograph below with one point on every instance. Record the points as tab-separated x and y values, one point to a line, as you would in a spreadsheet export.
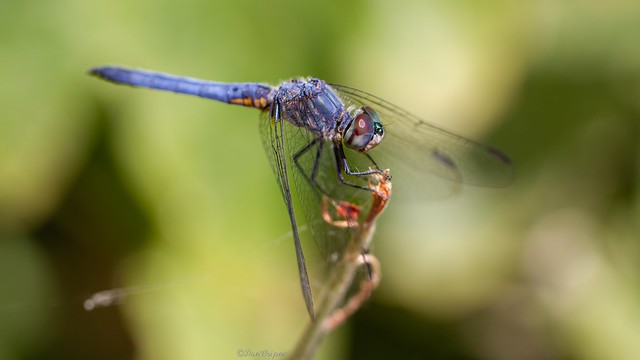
171	198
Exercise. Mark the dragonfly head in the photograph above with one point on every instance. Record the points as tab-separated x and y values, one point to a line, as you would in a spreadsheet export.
365	131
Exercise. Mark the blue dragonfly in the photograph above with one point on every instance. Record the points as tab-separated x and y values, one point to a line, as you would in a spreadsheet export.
324	138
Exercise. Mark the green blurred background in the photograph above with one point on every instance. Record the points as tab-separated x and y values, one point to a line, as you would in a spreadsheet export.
172	198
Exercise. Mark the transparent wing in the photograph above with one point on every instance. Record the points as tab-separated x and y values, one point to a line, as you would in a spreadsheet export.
427	160
274	141
319	195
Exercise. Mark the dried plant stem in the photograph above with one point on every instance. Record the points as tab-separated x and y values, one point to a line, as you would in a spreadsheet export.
330	313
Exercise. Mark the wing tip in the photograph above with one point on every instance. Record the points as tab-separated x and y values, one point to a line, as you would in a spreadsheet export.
502	157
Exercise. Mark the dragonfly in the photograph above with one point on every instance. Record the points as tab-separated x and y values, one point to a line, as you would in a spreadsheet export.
327	140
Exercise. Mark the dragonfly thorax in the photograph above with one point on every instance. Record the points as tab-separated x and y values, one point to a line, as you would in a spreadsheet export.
310	104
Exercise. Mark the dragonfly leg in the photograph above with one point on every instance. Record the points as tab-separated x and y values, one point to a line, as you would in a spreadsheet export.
377	168
342	165
318	143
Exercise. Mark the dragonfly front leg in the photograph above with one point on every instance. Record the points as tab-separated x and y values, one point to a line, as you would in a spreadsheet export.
343	165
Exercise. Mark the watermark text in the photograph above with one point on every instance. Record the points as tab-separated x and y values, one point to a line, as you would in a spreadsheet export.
262	354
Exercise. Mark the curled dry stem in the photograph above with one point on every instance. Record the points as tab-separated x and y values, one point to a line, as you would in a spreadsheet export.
331	313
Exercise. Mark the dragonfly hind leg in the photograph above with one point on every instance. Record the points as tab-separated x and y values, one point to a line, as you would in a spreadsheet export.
311	178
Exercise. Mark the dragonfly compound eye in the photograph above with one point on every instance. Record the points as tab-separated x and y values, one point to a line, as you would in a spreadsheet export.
365	131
